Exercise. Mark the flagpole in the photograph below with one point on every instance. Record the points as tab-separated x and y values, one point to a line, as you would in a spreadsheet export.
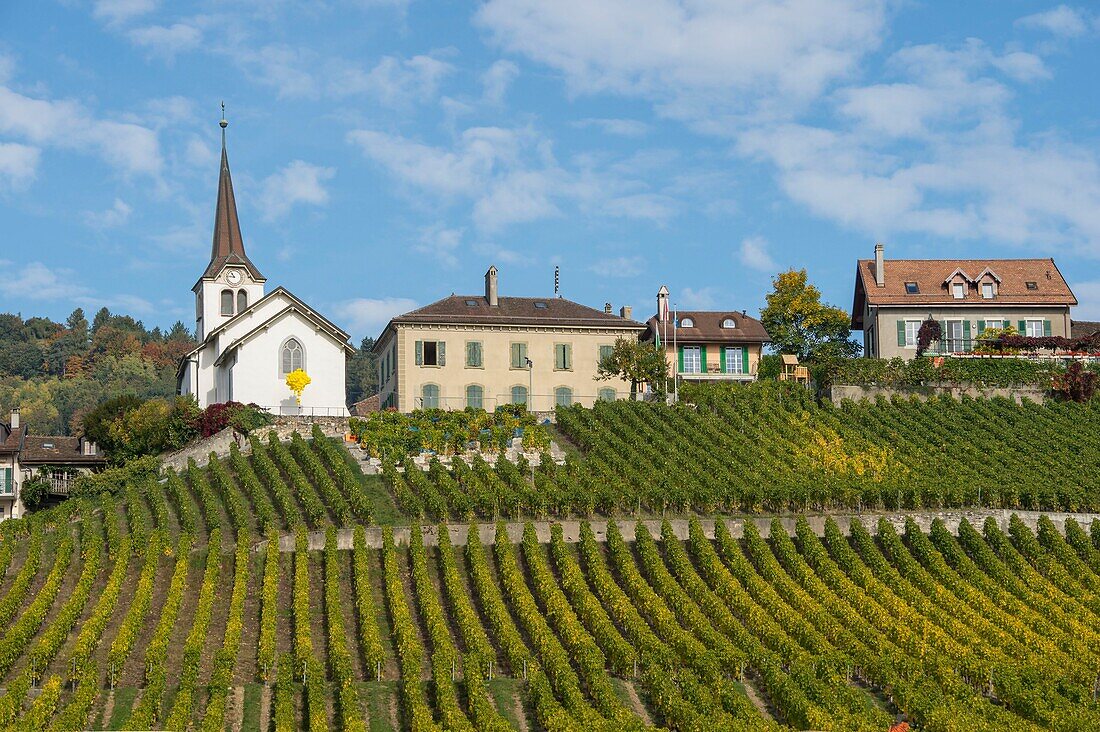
675	357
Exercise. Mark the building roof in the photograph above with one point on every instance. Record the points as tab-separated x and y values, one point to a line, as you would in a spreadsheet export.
932	275
11	441
548	312
1084	328
707	328
365	406
55	450
296	306
228	245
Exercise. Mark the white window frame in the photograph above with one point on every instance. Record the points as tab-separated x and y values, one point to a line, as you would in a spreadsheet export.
1038	324
733	360
958	290
687	323
952	342
696	353
1000	324
301	350
988	287
912	328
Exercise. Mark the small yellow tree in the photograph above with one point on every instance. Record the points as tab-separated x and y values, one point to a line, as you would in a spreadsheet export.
298	380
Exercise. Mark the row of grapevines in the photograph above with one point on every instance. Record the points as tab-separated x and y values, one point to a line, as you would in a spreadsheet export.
406	639
261	503
370	642
303	489
208	501
234	501
225	659
21	584
269	611
458	600
350	485
147	712
348	708
183	502
318	475
134	620
180	712
312	671
270	476
284	717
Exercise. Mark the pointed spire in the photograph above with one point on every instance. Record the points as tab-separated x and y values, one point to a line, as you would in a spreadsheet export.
228	245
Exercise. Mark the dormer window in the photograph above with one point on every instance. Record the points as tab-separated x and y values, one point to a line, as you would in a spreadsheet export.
471	303
987	290
958	290
912	288
1032	285
728	323
540	306
687	323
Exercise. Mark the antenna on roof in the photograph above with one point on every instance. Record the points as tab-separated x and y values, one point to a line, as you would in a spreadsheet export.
557	281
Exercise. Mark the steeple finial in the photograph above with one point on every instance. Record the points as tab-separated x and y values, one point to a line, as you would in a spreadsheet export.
223	123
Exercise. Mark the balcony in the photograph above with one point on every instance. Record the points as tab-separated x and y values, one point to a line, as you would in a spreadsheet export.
714	373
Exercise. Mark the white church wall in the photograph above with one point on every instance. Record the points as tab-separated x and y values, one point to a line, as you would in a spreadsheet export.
257	377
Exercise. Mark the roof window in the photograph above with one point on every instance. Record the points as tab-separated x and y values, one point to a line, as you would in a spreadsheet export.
1032	285
728	323
540	305
687	323
471	303
912	288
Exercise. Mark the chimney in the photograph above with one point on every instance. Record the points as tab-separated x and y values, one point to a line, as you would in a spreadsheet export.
491	286
880	273
607	308
625	312
662	304
15	419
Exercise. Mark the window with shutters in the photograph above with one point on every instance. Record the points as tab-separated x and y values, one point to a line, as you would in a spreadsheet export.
912	327
1033	328
519	394
227	302
475	396
993	324
605	352
429	396
735	360
518	355
431	353
6	488
692	360
563	396
291	356
606	394
473	355
563	357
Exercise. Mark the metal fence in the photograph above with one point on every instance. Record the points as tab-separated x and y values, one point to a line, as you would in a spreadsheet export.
293	410
535	402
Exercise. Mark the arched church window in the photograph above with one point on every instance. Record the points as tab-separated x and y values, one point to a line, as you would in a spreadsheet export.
227	302
242	301
292	357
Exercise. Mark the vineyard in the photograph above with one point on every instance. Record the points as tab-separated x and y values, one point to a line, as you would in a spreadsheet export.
171	606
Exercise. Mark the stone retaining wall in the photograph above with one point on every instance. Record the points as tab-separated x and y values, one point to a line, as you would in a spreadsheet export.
571	529
855	392
219	443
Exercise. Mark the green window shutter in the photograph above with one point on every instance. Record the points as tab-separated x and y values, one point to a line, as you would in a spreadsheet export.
441	353
744	359
420	353
722	360
1023	327
966	335
1046	328
681	359
901	333
702	359
981	326
515	355
568	356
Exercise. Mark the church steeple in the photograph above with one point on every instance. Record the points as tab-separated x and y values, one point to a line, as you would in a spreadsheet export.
228	245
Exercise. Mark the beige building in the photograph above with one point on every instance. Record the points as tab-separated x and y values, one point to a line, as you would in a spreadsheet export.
707	345
966	296
486	350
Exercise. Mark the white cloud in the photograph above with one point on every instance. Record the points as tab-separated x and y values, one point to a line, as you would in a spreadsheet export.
18	165
1088	295
36	281
692	56
612	126
1060	21
440	243
654	207
119	11
129	147
285	68
298	182
394	82
754	254
618	267
367	316
166	41
496	80
199	154
702	298
117	215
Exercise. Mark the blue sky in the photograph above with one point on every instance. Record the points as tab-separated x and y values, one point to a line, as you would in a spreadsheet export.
384	153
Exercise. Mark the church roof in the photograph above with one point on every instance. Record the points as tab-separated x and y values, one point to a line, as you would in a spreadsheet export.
228	246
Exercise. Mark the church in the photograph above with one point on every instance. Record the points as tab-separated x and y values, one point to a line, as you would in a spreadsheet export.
251	339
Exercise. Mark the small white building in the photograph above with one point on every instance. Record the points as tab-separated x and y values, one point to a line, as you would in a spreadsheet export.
250	340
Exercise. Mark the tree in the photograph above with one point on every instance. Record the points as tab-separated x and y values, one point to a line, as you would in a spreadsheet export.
20	358
636	362
179	332
362	373
799	323
102	317
77	323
